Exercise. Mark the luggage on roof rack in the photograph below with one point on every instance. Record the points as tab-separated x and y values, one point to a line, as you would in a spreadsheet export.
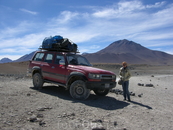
49	41
58	43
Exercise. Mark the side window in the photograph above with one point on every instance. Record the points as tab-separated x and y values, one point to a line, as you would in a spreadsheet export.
72	60
81	60
60	60
69	59
38	57
49	58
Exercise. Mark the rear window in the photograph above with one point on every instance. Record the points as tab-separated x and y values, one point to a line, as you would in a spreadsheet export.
38	57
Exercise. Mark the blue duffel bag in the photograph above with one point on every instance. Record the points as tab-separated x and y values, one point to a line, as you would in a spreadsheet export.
48	42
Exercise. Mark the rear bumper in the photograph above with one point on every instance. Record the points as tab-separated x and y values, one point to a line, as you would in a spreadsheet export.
100	85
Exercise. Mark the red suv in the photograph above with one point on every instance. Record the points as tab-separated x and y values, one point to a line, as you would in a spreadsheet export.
71	71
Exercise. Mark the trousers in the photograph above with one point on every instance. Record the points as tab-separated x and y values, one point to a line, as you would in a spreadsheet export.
125	86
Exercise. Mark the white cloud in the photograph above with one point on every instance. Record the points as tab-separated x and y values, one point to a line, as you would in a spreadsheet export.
26	41
66	16
129	6
155	36
95	47
125	9
160	44
16	31
103	25
156	5
28	11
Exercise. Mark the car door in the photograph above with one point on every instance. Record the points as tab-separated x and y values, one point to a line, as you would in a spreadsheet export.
59	69
47	65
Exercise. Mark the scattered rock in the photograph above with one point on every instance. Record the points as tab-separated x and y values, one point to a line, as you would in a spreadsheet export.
28	94
40	115
115	123
120	92
117	91
33	118
97	126
98	121
139	84
149	85
43	108
29	113
72	114
37	118
42	123
132	94
140	95
65	115
146	85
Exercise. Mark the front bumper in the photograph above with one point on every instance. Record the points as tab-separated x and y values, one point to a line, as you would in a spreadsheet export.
100	85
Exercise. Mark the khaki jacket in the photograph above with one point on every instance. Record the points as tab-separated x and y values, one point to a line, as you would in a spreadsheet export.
124	74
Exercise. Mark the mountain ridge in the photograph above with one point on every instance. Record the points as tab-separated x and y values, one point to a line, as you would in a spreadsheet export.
5	60
122	50
123	46
25	57
131	52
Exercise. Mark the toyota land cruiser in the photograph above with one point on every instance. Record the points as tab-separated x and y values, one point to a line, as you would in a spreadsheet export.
71	71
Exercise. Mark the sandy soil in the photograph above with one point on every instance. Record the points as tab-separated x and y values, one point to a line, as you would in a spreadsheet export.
24	108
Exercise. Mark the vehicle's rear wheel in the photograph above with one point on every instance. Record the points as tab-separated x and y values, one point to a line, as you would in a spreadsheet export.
78	90
101	92
38	81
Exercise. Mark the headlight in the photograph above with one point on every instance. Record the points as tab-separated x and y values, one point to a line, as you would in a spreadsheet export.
94	76
113	77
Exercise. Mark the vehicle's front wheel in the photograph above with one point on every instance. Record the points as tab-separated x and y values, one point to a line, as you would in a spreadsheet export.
37	81
78	90
101	92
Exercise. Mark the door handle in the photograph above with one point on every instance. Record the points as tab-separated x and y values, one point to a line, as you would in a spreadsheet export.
53	67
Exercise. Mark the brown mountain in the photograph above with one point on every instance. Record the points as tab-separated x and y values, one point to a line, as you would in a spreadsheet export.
131	52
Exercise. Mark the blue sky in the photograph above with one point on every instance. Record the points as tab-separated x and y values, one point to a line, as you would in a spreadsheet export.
92	24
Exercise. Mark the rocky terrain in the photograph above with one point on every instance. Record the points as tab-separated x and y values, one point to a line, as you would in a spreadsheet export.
52	108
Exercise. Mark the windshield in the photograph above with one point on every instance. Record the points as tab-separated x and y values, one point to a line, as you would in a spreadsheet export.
77	60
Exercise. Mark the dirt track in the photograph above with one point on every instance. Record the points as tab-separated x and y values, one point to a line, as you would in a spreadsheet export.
52	108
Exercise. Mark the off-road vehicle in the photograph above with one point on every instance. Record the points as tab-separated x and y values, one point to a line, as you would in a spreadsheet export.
71	71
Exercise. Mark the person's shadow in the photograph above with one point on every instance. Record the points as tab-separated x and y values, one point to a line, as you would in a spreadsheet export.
137	103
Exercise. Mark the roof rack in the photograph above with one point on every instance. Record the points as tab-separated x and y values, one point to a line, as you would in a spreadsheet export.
58	50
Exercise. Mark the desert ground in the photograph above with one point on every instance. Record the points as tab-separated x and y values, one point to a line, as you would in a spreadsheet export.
52	108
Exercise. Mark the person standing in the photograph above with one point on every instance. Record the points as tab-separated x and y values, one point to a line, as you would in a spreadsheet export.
125	75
